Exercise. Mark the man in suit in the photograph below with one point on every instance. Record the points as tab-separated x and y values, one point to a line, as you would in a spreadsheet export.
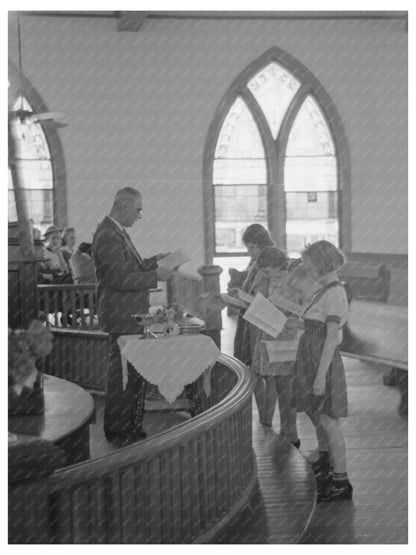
123	282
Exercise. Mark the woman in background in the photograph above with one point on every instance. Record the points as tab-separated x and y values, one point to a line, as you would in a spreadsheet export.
69	240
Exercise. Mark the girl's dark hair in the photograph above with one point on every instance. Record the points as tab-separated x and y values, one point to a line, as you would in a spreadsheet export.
258	235
272	257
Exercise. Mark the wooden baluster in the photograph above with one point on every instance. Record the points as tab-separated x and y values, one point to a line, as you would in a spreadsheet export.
79	514
113	508
153	510
128	505
202	479
166	499
175	487
141	503
211	478
55	307
64	296
81	296
92	308
186	493
74	308
195	493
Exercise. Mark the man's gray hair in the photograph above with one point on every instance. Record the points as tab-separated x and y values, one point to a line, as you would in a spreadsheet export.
125	195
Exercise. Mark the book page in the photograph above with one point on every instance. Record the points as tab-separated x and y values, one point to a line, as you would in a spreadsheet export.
244	296
264	315
174	259
285	304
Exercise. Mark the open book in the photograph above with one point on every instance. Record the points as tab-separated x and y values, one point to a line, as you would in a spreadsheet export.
264	315
285	304
174	259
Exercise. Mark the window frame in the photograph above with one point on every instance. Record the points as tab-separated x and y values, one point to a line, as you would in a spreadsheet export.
57	158
275	149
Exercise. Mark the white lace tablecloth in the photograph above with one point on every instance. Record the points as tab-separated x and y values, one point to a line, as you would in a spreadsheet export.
170	362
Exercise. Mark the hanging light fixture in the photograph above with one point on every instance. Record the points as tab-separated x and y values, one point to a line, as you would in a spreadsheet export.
48	119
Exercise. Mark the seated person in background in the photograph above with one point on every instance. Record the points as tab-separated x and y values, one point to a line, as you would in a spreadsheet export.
54	269
68	243
37	234
82	265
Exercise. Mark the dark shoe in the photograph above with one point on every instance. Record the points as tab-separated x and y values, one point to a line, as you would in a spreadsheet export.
266	423
334	492
296	443
320	466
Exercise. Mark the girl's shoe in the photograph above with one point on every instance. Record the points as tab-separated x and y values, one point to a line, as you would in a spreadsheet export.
296	443
334	492
320	466
266	423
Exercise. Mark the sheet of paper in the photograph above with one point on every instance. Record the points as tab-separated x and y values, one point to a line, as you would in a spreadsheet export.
233	301
174	259
245	296
280	351
264	315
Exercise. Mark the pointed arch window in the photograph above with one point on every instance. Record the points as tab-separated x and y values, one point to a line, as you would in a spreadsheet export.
276	154
34	161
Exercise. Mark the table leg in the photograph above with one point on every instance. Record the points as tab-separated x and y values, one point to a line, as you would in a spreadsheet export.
138	407
191	393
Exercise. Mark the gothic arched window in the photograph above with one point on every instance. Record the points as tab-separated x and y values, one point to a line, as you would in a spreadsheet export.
276	154
32	157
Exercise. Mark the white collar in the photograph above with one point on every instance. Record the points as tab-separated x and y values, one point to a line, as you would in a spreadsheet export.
118	224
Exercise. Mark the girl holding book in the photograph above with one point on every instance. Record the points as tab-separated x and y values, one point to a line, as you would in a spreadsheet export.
268	360
255	238
320	385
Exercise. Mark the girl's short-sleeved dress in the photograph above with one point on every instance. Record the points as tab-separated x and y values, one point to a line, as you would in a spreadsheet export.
261	363
329	304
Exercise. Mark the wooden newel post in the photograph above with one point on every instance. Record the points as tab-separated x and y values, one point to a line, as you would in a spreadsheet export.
211	278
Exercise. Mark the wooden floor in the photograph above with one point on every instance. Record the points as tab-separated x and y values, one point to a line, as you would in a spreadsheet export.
376	439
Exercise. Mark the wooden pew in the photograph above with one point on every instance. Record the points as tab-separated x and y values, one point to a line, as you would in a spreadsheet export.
366	280
378	332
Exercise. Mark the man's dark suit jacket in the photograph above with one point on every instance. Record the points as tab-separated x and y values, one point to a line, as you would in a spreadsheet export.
123	279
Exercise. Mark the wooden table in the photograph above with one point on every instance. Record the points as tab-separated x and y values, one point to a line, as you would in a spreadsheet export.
69	410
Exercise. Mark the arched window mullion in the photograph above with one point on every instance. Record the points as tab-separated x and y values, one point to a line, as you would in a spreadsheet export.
277	194
270	153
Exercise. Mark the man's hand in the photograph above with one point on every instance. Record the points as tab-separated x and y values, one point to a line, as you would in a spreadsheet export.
163	274
161	255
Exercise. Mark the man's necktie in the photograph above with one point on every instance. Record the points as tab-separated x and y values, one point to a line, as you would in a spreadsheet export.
132	247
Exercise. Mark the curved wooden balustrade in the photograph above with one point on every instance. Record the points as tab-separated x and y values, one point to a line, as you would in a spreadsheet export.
180	486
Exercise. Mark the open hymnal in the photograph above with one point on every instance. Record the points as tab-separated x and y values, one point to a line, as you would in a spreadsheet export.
285	304
264	315
174	259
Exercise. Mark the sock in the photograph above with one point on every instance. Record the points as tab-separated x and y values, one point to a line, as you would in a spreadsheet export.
340	478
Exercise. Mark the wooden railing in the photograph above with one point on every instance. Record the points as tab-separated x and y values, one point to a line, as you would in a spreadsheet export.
69	306
180	486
